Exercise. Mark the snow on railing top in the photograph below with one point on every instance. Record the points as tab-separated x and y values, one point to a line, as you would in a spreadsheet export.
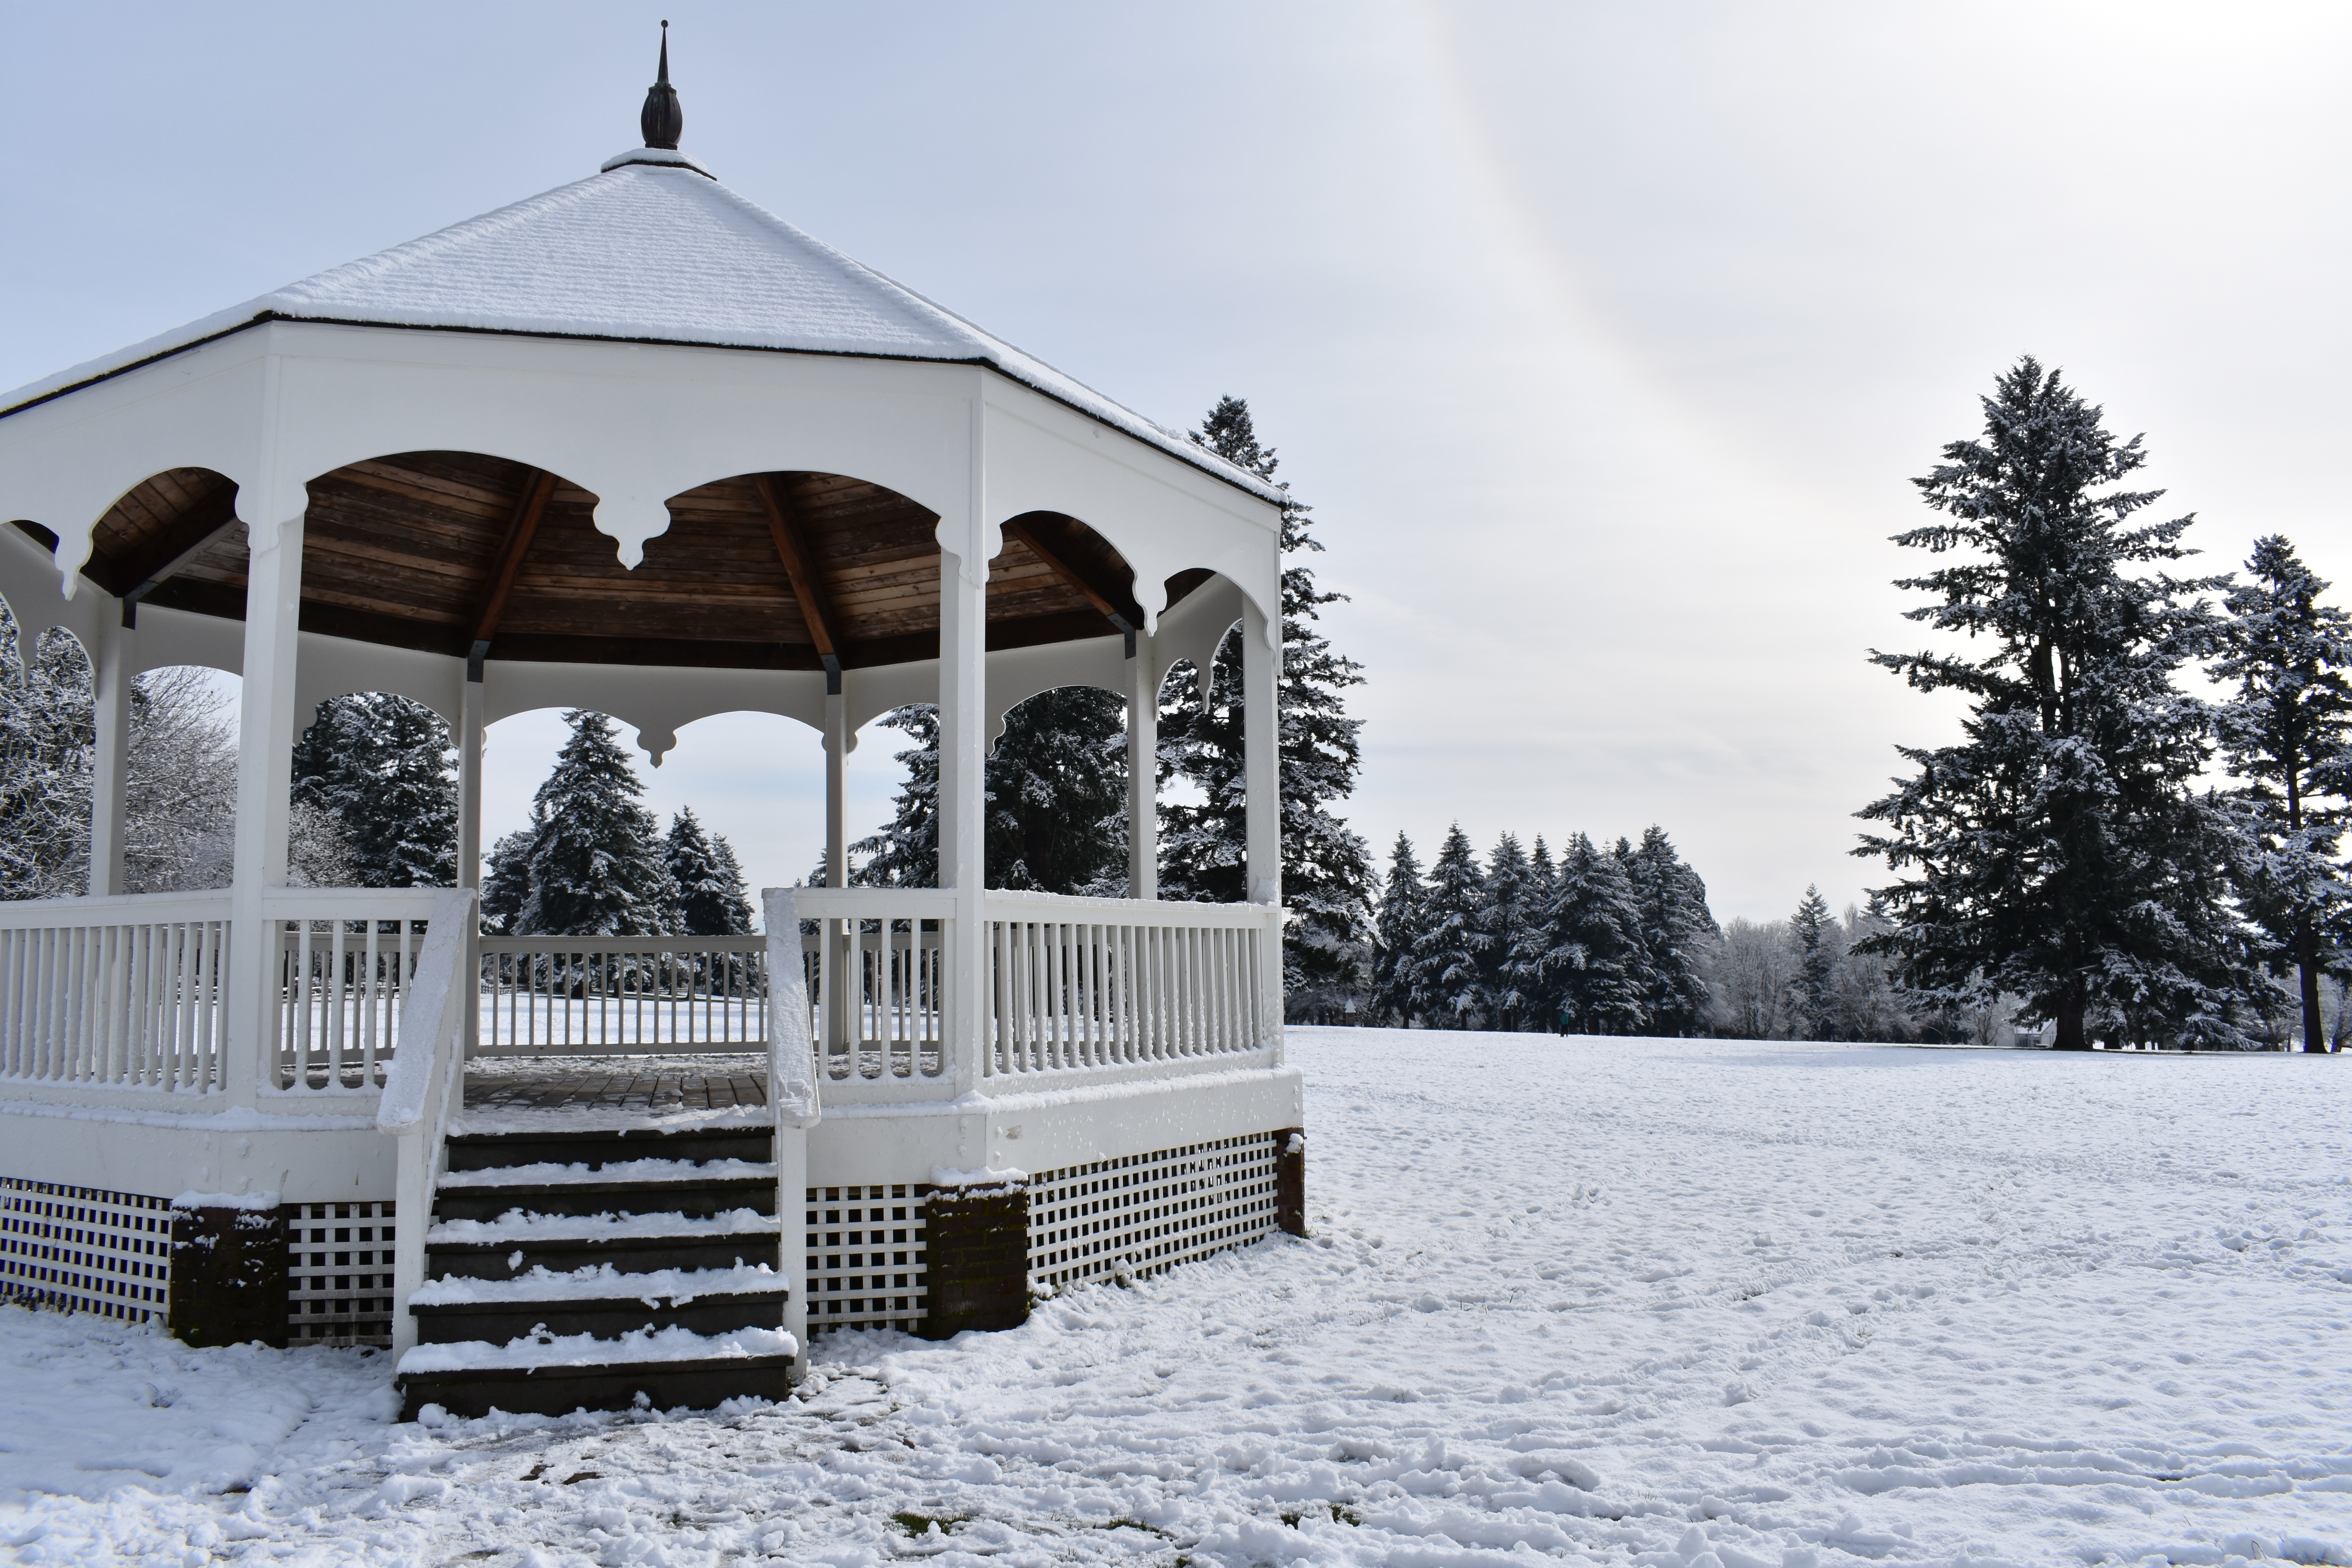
429	1021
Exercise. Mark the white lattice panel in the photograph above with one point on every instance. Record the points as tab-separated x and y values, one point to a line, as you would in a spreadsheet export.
866	1257
1141	1215
339	1273
85	1249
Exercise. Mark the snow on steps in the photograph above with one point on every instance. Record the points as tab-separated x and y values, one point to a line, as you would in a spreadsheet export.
571	1269
549	1375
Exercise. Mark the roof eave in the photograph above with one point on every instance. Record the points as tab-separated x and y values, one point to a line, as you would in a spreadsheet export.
1189	454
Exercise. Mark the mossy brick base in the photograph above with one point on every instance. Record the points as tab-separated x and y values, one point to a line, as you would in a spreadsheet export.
978	1259
228	1277
1290	1181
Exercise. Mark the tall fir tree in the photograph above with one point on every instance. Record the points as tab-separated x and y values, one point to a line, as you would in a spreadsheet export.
1448	955
905	853
381	766
1396	923
506	882
1055	791
711	900
596	865
1679	931
2286	733
2060	851
1594	964
1327	873
1508	912
1056	787
1813	993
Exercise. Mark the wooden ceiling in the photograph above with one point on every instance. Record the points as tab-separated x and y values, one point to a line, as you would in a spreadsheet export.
440	550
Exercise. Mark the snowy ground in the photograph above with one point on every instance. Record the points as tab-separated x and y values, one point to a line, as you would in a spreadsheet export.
1663	1302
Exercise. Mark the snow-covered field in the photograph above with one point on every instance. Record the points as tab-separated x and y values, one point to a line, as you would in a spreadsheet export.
1639	1302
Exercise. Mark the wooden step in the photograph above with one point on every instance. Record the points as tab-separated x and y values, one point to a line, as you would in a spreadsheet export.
628	1254
695	1197
495	1151
496	1322
560	1390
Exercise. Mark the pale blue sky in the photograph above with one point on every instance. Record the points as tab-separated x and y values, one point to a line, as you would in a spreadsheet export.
1603	339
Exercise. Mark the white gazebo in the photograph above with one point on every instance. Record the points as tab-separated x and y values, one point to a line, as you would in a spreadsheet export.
638	445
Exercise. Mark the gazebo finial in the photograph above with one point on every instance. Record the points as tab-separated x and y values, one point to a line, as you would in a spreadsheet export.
662	120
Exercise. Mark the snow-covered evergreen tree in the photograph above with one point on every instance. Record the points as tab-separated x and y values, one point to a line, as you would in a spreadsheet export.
1812	935
596	866
506	882
905	853
711	900
1327	873
1443	973
1677	930
384	767
2060	852
1056	798
2285	734
1595	965
1506	913
1396	925
1056	789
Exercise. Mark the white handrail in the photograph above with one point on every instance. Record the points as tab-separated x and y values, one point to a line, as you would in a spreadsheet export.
792	1080
427	1071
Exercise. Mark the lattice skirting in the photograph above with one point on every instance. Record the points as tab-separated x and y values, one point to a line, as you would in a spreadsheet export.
85	1249
866	1252
1143	1215
338	1273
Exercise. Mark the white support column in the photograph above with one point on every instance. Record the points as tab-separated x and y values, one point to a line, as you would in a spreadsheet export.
840	1013
1262	774
1261	762
110	758
1143	771
469	786
265	770
469	828
836	790
963	809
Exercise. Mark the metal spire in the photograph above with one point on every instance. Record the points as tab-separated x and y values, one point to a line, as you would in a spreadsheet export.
661	118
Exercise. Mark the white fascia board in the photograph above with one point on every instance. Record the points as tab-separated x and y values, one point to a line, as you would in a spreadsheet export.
632	424
1162	514
64	462
657	700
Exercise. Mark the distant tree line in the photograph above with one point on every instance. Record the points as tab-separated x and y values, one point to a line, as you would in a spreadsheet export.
1608	939
2072	850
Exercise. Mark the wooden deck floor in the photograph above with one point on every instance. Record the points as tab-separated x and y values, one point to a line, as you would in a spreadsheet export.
615	1084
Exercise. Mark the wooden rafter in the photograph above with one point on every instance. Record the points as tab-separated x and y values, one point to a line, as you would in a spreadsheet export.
799	565
528	511
1094	594
191	535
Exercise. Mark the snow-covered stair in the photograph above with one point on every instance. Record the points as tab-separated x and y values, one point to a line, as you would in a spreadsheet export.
584	1269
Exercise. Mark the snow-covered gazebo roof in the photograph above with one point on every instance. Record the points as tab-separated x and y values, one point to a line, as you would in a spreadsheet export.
650	250
633	424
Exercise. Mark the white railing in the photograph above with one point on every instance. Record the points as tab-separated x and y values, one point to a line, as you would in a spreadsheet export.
1082	985
876	980
345	959
122	992
559	995
426	1081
